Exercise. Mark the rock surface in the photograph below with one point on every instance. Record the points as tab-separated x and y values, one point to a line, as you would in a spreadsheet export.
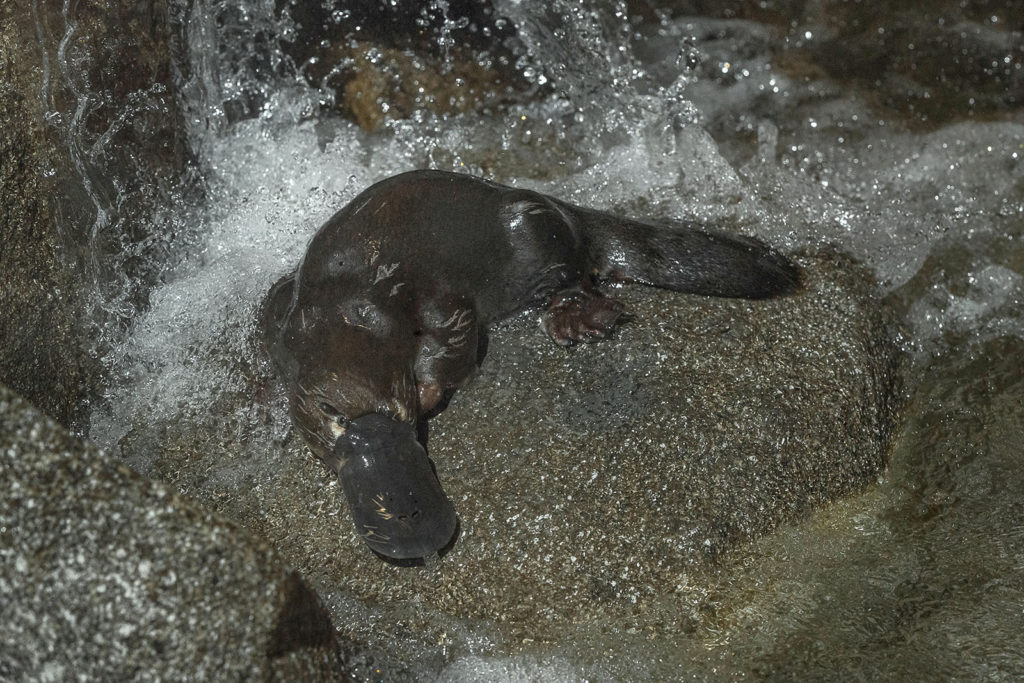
389	84
935	62
376	62
91	143
592	484
40	333
106	576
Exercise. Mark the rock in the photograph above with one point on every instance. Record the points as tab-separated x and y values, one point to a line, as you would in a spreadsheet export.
592	484
428	28
376	62
92	142
937	62
389	84
944	63
41	300
106	576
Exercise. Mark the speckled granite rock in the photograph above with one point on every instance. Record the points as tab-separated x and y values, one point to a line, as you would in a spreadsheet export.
106	576
592	484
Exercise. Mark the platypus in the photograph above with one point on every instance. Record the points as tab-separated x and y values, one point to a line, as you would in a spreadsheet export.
384	315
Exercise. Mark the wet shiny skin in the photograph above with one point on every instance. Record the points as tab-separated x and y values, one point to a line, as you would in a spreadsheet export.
397	503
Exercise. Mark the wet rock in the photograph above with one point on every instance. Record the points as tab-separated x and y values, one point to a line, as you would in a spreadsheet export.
377	62
942	63
592	484
106	575
40	297
92	143
427	27
938	62
106	81
930	571
767	11
389	84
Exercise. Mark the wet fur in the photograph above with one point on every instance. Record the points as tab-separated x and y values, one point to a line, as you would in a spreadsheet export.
387	306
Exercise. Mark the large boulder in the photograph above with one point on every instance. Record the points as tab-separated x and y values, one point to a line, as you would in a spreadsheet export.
592	484
106	576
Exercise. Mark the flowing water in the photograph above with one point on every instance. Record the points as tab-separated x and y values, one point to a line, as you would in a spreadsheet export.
922	575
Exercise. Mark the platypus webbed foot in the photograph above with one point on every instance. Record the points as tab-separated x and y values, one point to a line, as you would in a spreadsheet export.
397	503
581	315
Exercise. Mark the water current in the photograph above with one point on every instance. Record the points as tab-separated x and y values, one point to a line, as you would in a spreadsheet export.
688	118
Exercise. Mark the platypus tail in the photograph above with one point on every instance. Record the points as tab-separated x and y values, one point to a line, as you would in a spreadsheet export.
688	258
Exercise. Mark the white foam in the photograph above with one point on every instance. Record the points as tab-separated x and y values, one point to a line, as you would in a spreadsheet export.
268	195
509	670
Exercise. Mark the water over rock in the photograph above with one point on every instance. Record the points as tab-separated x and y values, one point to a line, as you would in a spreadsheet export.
374	62
92	143
40	329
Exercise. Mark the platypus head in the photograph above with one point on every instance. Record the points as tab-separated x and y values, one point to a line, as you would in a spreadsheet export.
397	503
354	400
329	391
